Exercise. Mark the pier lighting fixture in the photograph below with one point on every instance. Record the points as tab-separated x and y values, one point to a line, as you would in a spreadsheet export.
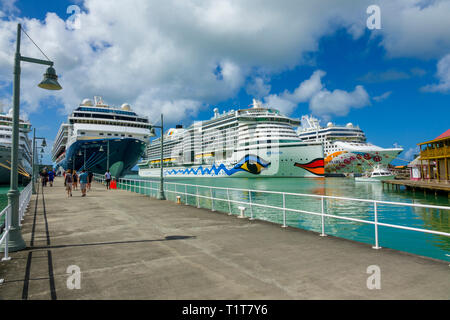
161	195
50	82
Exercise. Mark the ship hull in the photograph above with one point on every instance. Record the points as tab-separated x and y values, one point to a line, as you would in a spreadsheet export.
283	161
357	162
123	155
5	160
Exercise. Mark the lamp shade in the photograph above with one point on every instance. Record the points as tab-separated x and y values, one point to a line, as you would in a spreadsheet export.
101	149
50	81
44	144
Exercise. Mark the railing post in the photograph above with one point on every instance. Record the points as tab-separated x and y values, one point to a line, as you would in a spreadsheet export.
198	203
229	203
376	225
185	193
251	207
7	228
323	218
212	199
284	211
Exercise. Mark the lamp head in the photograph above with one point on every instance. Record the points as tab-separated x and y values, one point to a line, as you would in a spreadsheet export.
50	81
44	144
152	132
101	149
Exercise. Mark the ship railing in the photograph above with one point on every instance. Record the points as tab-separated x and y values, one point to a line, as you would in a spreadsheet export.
24	200
179	192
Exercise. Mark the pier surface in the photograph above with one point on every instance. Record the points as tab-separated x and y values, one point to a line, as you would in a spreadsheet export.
130	246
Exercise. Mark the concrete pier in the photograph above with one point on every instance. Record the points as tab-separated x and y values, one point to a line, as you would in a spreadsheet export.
130	246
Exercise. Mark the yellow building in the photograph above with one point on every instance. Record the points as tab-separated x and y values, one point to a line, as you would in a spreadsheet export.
435	158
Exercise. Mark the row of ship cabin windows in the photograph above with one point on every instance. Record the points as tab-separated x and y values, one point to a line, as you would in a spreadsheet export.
115	134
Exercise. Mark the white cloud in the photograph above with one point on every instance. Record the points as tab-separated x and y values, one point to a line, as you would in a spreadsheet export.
163	55
382	97
409	154
258	87
322	102
443	73
338	102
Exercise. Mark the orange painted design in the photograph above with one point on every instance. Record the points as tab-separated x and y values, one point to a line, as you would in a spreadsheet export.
333	155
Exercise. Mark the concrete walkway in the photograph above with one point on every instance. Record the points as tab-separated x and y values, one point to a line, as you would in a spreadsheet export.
129	246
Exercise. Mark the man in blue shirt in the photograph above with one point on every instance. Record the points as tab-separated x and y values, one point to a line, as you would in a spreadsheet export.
83	181
51	175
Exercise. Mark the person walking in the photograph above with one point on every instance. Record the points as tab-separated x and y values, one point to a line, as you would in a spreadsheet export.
108	179
75	180
44	176
51	176
83	181
68	180
90	176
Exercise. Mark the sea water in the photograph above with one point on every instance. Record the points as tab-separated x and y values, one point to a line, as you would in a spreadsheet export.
434	246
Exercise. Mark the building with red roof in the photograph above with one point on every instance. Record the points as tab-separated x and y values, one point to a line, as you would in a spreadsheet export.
434	158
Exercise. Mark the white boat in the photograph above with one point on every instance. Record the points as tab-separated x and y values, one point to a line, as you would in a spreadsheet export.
377	174
251	142
345	148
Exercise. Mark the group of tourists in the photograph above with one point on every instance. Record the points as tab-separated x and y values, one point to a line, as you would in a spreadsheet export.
85	179
47	176
71	181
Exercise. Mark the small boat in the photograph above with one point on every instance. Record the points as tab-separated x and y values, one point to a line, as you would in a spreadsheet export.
377	174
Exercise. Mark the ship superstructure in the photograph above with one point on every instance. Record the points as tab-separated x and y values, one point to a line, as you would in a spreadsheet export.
25	149
345	147
248	142
98	137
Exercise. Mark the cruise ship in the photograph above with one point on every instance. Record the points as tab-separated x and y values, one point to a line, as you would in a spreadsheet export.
250	142
25	149
345	147
98	137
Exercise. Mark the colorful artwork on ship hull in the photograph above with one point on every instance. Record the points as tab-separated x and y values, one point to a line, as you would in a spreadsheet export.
315	166
250	163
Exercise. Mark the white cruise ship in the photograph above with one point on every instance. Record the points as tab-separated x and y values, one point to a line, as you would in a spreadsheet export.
250	142
345	147
25	149
98	137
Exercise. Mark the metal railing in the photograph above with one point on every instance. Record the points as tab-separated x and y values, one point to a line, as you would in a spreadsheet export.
24	200
181	189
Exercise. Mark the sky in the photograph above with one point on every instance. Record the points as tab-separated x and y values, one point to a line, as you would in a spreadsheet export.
385	69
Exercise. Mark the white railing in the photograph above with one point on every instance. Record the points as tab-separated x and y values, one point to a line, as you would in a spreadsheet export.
181	189
24	200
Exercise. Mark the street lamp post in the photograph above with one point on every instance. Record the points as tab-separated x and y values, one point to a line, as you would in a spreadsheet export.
50	82
107	155
161	195
33	162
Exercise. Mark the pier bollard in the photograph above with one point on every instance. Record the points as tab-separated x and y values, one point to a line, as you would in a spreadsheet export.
242	210
178	200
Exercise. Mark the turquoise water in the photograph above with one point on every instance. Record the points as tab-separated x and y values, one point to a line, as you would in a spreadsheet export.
434	246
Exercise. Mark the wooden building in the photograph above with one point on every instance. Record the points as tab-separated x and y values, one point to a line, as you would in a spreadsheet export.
435	158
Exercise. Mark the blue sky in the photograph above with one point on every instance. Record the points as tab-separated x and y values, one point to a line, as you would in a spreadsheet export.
393	82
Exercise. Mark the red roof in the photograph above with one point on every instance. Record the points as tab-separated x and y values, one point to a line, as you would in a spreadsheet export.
444	135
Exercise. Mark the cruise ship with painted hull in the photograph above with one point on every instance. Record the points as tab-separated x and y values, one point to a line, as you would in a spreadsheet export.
98	137
346	151
252	142
25	149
